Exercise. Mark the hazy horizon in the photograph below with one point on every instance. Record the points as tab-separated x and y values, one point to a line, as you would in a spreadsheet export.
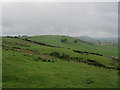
94	19
62	35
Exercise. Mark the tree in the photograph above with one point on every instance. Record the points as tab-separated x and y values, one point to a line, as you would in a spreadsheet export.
75	41
64	40
15	36
26	39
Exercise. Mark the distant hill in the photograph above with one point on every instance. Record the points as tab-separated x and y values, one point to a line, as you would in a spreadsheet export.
99	39
108	39
87	38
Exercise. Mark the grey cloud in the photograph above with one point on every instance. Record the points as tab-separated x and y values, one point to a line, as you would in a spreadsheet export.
70	18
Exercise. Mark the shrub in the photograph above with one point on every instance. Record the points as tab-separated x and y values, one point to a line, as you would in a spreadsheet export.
48	60
56	54
15	37
44	60
75	41
53	61
40	58
64	40
26	39
65	56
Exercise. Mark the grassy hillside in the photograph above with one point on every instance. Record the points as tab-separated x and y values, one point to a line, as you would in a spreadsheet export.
81	45
31	65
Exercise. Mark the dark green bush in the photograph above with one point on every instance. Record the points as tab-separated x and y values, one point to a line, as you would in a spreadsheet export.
56	54
63	56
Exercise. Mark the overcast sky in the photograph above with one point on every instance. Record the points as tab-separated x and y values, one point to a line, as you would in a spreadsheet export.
60	18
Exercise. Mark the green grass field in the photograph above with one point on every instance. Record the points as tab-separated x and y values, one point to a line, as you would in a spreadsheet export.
81	45
30	65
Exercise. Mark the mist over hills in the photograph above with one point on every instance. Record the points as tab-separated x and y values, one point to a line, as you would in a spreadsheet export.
99	39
